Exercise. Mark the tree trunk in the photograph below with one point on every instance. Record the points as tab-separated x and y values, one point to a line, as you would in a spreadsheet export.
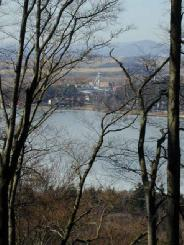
11	226
150	206
3	211
11	211
149	194
173	168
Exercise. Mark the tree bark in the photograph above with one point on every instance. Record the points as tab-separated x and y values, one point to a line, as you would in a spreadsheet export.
3	209
148	189
173	168
151	213
11	211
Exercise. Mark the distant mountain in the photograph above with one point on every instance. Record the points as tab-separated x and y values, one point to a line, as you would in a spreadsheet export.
139	48
124	49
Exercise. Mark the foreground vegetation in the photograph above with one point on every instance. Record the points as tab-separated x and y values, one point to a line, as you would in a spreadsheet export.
106	216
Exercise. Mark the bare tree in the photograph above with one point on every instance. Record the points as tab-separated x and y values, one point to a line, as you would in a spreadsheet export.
79	172
148	174
48	35
108	126
173	168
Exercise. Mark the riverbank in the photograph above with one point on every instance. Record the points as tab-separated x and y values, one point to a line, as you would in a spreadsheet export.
94	108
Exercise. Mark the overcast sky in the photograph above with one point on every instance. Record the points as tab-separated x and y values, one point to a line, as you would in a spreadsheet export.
149	17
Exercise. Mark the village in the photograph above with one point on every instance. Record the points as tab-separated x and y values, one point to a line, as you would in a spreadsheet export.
97	94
